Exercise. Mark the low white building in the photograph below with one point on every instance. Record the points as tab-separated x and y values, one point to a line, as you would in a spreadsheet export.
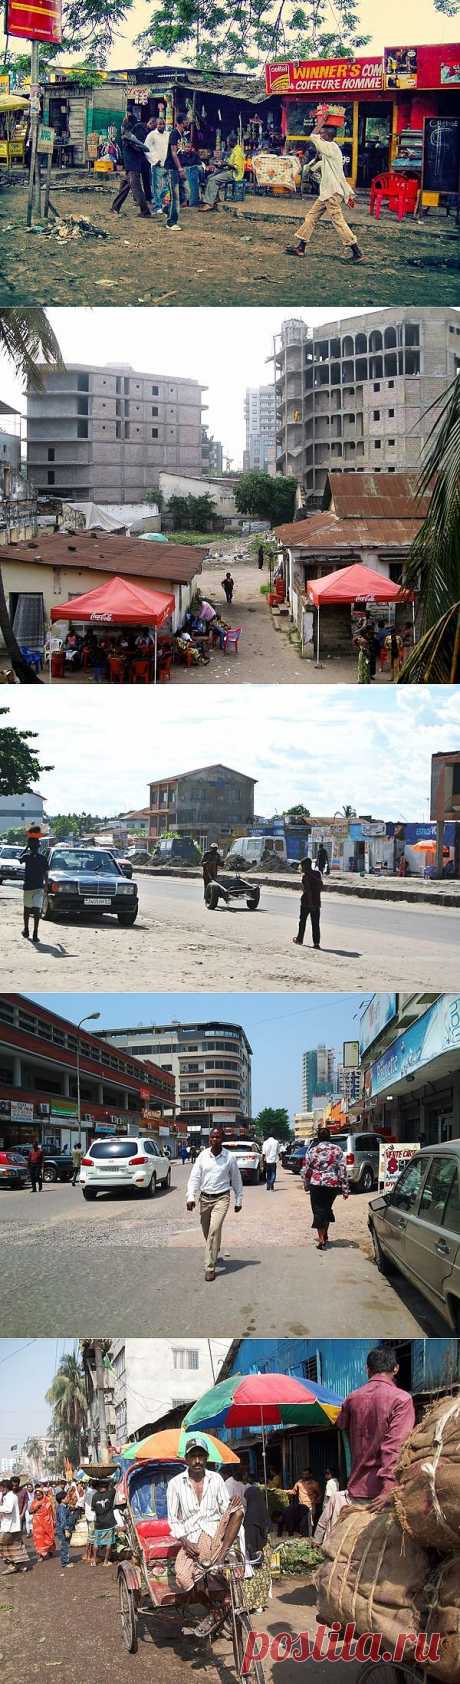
152	1376
18	811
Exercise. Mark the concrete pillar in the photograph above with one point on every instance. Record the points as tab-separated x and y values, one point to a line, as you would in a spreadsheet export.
17	1073
100	1093
66	1088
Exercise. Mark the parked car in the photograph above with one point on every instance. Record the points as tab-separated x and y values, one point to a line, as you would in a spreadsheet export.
124	1161
415	1228
176	849
83	878
126	864
362	1152
249	1158
57	1166
11	863
13	1171
294	1158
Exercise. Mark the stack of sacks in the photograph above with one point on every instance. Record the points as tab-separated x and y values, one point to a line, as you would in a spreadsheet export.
427	1501
375	1577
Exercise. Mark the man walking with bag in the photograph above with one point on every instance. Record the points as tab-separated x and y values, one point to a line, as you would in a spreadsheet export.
213	1176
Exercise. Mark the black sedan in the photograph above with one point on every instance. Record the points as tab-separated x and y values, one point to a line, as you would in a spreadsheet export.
294	1159
88	882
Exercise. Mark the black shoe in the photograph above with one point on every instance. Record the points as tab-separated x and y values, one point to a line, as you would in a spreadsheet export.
295	251
35	937
357	254
25	933
297	942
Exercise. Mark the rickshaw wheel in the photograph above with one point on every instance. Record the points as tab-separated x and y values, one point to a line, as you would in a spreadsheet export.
383	1672
241	1633
128	1615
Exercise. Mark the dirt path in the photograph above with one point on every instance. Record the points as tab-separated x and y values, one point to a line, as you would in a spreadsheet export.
234	258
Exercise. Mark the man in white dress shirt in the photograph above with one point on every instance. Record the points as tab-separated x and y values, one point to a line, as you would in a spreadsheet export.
212	1177
271	1151
198	1504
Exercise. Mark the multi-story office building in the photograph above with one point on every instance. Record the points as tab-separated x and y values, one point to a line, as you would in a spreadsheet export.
349	1084
211	1065
319	1079
410	1059
59	1083
207	804
357	394
104	434
260	423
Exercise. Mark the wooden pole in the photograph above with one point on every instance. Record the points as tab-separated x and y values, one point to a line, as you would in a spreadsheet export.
35	112
47	186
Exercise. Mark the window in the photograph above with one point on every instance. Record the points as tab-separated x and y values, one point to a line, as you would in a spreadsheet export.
155	391
154	432
121	1417
119	1363
376	385
376	414
51	477
452	1210
184	1356
82	429
377	444
154	409
392	443
51	455
440	1182
391	412
310	1369
83	383
406	1193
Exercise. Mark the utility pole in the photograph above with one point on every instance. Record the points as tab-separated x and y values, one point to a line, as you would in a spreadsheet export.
34	169
100	1392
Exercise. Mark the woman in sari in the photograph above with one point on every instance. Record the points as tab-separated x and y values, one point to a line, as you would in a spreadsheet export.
43	1512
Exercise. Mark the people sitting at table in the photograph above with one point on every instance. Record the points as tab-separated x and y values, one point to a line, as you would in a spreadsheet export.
73	649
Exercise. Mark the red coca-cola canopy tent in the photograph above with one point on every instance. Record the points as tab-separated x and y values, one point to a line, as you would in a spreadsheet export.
353	584
118	603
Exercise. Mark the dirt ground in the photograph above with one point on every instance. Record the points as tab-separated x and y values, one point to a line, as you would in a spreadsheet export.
235	257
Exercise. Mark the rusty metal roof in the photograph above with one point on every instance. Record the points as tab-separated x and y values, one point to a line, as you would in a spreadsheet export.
109	553
324	532
377	496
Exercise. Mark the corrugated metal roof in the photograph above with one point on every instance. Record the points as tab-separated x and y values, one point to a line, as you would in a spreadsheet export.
324	532
377	496
128	557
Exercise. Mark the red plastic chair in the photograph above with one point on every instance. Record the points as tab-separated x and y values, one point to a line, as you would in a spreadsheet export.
164	670
231	640
399	191
140	672
116	669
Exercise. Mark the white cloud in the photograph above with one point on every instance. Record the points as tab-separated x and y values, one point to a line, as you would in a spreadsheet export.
321	747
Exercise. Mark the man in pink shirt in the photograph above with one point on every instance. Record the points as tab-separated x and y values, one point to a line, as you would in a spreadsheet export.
377	1420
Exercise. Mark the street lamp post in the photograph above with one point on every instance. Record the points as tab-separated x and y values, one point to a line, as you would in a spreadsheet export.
90	1018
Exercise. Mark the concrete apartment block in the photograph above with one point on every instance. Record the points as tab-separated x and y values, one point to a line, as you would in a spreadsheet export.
103	434
354	395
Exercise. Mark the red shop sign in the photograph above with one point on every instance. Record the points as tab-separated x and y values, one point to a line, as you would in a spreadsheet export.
324	76
39	20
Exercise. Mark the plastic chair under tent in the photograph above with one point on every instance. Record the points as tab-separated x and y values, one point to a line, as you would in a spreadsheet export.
34	657
232	638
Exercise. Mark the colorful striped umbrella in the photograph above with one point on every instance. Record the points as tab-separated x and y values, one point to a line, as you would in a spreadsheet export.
171	1446
264	1400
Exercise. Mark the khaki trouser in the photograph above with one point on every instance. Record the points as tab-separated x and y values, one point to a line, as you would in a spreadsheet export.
327	207
212	1217
187	1569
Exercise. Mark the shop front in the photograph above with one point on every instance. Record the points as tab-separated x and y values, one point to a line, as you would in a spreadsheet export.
385	104
414	1087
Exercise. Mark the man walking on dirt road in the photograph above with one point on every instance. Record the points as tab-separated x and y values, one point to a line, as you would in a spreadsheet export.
334	189
212	1177
310	903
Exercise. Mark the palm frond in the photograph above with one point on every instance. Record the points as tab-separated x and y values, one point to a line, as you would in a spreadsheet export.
434	564
27	337
436	658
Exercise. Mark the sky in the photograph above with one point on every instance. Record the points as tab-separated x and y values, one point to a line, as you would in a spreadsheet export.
390	25
225	349
323	746
27	1368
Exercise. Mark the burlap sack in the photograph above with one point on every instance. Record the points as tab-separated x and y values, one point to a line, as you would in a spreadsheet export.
427	1495
375	1577
442	1614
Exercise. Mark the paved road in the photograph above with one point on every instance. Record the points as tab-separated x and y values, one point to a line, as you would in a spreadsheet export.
122	1265
364	945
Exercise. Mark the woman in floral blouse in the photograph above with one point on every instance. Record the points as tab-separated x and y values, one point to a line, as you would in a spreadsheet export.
324	1176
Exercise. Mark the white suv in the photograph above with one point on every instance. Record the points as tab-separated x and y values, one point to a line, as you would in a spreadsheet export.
124	1161
249	1158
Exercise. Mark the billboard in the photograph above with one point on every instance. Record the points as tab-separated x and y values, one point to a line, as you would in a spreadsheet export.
324	76
400	67
435	1033
351	1055
41	20
393	1158
380	1011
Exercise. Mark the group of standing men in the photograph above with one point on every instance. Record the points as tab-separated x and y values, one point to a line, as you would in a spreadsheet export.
161	165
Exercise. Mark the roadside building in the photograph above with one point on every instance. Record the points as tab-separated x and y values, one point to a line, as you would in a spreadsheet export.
207	804
45	1061
260	429
17	812
410	1059
48	569
355	395
102	434
221	490
152	1377
211	1064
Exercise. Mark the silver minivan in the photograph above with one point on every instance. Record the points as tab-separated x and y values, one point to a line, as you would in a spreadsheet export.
415	1228
362	1152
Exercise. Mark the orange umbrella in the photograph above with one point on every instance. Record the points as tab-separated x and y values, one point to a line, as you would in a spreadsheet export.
171	1446
426	848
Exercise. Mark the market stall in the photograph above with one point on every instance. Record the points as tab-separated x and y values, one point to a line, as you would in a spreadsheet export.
354	585
14	111
118	603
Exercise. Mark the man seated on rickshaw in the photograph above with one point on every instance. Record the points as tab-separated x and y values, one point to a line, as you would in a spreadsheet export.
198	1511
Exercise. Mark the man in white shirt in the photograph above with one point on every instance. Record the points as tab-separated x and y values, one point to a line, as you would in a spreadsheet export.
156	146
333	190
271	1152
198	1504
210	1181
13	1554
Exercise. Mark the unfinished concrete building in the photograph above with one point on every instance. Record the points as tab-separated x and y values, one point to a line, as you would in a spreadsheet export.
353	395
103	435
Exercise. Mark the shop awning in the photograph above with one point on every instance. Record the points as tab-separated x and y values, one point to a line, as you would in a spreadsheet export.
354	584
118	603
